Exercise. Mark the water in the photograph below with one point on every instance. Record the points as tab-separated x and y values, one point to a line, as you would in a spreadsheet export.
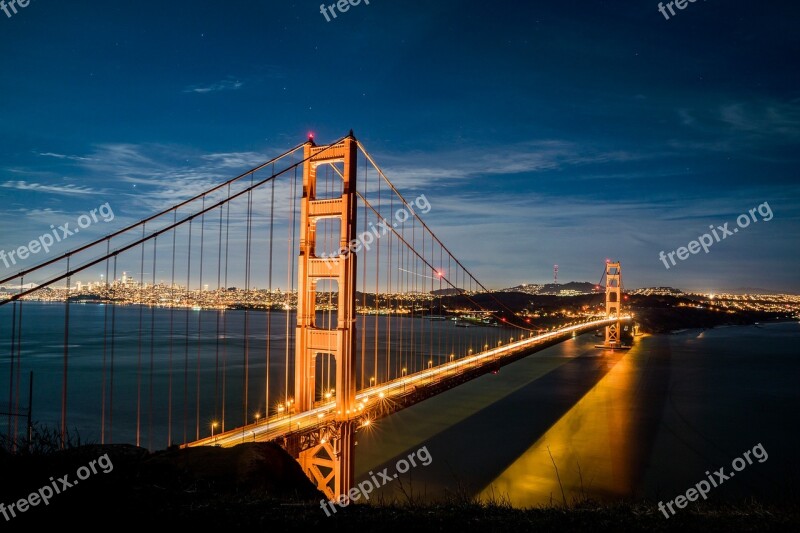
645	423
191	350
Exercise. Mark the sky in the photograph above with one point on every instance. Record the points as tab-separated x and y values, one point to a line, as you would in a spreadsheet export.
541	133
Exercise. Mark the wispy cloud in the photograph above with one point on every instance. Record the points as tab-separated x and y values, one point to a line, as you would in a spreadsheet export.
63	156
732	125
70	190
773	119
224	85
450	168
236	159
159	176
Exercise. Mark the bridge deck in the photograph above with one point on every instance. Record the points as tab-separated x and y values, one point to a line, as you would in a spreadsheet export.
382	400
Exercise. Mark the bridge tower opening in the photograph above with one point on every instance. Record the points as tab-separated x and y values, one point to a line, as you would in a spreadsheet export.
328	458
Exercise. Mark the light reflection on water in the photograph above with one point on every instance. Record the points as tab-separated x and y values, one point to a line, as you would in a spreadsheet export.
591	446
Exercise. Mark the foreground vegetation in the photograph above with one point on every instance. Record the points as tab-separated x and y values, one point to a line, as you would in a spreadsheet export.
257	485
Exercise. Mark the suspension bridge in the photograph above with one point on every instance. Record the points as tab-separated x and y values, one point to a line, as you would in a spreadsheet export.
202	346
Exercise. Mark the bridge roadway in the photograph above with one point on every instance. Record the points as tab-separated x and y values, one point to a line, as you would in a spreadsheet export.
381	400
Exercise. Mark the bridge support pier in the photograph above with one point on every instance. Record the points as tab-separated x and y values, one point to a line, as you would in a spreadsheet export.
329	458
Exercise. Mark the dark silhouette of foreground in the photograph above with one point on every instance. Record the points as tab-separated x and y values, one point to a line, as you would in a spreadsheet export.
258	485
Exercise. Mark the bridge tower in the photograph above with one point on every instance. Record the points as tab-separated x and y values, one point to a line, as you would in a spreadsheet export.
613	303
328	461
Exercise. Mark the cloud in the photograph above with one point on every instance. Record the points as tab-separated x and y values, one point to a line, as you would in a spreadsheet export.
62	156
734	125
410	171
159	176
224	85
236	159
70	190
772	119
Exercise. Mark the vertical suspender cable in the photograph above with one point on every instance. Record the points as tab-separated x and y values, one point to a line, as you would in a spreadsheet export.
171	336
140	295
225	315
187	305
66	365
246	355
105	344
113	353
152	355
269	281
199	322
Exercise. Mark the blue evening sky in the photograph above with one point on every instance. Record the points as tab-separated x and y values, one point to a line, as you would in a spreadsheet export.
541	132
